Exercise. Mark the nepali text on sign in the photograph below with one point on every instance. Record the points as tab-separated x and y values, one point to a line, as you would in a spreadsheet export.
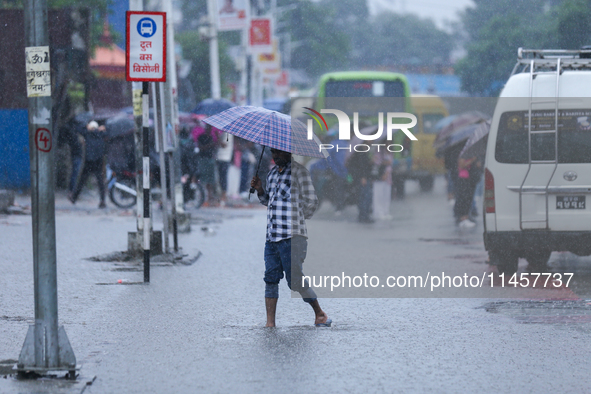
146	43
38	73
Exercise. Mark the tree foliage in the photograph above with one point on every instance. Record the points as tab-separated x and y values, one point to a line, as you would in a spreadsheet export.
574	24
99	9
496	28
395	39
318	45
341	35
197	52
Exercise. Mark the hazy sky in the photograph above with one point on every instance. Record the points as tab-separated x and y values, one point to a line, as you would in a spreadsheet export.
438	10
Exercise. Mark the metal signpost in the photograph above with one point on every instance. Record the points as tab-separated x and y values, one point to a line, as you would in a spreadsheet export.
146	62
159	125
46	346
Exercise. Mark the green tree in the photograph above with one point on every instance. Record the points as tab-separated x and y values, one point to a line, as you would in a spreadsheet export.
318	44
488	64
99	9
494	30
395	39
197	52
193	11
574	24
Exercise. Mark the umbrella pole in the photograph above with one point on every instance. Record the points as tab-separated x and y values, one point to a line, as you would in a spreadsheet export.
257	171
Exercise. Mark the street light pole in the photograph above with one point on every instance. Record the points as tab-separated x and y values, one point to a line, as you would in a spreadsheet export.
46	347
172	120
214	61
135	240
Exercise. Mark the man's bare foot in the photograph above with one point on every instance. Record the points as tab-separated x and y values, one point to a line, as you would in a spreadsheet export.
321	318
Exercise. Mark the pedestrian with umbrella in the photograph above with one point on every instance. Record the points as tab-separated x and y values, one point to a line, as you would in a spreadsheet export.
121	146
470	170
95	149
289	196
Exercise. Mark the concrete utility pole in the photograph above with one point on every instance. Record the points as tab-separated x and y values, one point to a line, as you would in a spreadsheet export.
171	110
46	347
160	129
243	90
135	239
214	61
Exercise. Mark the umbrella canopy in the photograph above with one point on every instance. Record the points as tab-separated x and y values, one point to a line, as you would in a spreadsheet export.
84	117
268	128
455	124
119	125
444	122
211	106
476	144
457	137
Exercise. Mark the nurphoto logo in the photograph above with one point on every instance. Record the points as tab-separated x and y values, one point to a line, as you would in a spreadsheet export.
392	125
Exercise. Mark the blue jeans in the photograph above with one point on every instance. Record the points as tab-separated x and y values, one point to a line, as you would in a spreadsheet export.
365	201
76	163
287	255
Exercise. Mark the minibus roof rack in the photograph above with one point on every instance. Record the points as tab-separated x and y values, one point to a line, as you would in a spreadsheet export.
540	59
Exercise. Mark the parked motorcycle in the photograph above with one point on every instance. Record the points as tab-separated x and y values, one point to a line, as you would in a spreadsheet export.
340	192
193	190
121	187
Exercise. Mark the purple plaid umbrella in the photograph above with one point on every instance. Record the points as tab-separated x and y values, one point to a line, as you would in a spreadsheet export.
268	128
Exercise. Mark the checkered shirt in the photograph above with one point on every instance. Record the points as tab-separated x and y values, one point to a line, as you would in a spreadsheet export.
290	199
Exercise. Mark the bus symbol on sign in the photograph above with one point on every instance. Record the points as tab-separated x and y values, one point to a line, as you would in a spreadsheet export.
146	27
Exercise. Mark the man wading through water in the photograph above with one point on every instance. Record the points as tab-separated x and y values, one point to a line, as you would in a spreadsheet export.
287	238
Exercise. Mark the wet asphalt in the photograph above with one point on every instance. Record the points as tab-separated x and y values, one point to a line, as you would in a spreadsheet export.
200	327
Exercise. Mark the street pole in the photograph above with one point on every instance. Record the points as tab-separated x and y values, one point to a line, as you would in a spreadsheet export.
243	68
46	347
214	61
159	128
135	242
243	96
172	121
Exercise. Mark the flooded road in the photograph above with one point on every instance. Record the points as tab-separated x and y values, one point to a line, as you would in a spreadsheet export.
199	327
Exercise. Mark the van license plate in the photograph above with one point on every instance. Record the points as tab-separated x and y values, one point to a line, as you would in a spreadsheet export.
570	202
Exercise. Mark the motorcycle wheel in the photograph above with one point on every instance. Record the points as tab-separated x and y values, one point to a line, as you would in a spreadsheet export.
121	198
199	193
194	192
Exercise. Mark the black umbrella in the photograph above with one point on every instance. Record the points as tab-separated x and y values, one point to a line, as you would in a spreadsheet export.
119	125
476	144
211	107
84	117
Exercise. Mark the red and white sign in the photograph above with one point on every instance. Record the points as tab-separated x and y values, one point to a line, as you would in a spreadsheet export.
232	15
260	35
146	46
283	79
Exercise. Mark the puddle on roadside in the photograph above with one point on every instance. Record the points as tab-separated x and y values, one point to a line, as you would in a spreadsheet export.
448	241
543	312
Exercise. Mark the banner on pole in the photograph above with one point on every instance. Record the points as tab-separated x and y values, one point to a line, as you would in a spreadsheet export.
260	37
231	15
